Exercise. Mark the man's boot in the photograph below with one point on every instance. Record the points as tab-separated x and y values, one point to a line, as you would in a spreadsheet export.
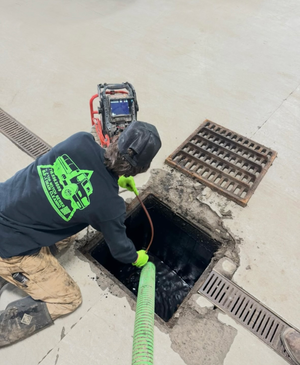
21	319
291	341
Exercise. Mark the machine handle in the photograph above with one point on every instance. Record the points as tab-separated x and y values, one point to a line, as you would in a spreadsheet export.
116	86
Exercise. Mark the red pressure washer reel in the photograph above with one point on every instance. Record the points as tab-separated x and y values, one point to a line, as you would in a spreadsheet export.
118	107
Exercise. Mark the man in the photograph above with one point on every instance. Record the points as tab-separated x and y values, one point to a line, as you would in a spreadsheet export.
70	187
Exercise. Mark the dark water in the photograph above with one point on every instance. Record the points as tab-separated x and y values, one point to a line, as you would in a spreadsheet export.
180	252
170	289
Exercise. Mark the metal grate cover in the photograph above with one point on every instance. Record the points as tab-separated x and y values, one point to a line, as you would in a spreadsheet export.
245	309
21	136
223	160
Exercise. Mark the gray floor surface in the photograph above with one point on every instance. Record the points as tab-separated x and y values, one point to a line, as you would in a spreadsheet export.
235	63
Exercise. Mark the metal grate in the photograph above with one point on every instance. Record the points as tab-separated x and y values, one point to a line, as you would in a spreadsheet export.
223	160
21	136
245	309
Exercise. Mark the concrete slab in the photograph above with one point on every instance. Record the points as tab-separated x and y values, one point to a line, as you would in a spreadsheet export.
12	159
105	335
226	62
247	347
234	63
269	225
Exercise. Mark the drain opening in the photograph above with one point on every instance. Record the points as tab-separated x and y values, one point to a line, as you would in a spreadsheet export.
180	251
22	137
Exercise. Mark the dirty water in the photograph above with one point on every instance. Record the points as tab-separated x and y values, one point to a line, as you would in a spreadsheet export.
170	289
179	251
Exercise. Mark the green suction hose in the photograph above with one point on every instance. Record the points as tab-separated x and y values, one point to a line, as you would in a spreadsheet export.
142	353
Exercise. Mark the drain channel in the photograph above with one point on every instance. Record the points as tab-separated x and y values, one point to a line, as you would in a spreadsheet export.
223	160
21	136
245	309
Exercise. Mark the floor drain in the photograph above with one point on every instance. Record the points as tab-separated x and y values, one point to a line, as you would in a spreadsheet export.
223	160
21	136
245	309
181	252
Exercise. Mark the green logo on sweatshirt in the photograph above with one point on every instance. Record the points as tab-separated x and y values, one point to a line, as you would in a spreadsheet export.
66	186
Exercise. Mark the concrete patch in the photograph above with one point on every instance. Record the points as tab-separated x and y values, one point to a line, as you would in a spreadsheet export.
204	303
201	339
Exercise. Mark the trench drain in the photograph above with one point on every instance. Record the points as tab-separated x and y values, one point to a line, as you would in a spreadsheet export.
225	161
21	136
246	310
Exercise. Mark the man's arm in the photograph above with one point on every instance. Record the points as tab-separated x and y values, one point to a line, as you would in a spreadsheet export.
120	246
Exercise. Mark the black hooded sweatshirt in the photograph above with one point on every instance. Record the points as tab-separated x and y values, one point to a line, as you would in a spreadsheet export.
58	195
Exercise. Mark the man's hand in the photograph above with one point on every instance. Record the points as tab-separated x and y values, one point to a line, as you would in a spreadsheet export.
128	183
142	259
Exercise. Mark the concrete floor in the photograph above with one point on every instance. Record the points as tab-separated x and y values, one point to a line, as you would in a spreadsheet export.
235	63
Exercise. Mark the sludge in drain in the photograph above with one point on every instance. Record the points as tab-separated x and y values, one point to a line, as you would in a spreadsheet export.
180	251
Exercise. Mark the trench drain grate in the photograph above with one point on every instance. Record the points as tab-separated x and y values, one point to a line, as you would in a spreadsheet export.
21	136
223	160
246	310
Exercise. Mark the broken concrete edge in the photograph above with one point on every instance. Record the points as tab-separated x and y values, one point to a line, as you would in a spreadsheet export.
181	195
226	267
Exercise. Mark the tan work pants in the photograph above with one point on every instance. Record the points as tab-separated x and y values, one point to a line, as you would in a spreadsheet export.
47	281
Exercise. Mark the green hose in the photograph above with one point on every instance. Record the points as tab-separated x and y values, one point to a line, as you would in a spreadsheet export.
142	353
